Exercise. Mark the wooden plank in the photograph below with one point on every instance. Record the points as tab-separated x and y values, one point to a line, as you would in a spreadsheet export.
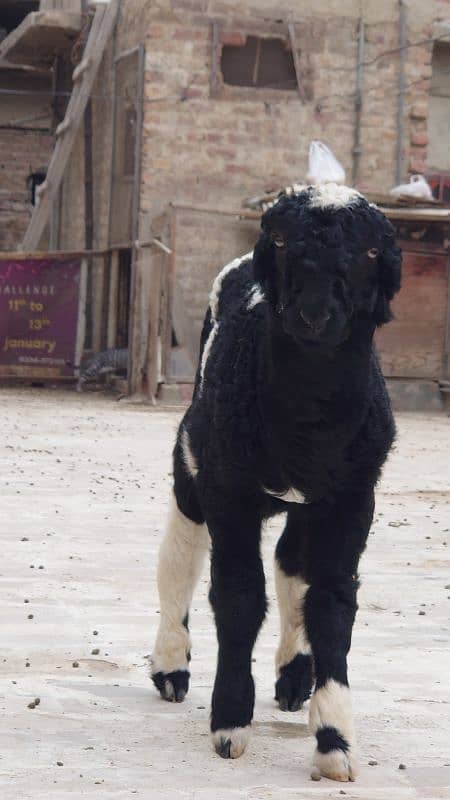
81	325
31	373
297	66
170	272
182	322
101	29
446	369
41	36
113	299
425	214
9	255
134	337
153	366
135	199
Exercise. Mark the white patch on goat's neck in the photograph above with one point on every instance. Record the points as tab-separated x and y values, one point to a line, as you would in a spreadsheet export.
256	296
333	195
214	306
188	456
289	496
218	280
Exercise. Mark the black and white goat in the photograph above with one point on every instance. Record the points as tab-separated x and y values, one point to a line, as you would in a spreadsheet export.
290	414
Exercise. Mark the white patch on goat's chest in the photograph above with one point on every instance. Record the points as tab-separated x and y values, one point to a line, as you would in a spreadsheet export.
214	306
289	496
333	195
255	297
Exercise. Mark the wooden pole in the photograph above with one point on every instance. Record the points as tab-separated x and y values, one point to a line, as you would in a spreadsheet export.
102	27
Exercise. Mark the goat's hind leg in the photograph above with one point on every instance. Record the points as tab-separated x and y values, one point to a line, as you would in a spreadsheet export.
293	661
180	563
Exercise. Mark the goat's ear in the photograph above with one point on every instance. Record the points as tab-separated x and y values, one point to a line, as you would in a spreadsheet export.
263	258
389	280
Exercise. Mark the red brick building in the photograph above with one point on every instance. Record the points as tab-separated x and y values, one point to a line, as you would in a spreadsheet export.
201	103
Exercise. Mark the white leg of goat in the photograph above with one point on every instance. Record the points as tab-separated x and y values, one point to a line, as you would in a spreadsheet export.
180	563
293	661
291	591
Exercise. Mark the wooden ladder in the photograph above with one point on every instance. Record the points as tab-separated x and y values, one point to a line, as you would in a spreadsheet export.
83	78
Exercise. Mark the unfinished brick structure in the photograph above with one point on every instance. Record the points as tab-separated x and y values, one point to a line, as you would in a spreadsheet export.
25	147
233	93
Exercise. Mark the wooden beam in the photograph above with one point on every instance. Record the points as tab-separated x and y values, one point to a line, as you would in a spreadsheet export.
101	29
182	322
81	325
297	66
113	299
153	365
40	36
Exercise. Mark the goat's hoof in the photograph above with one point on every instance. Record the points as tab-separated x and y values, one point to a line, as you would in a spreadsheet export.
294	685
338	765
172	686
231	742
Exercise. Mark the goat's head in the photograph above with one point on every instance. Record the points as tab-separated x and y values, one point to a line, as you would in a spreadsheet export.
326	257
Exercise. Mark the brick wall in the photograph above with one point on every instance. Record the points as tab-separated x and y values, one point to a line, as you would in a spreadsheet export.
216	150
25	147
21	153
204	243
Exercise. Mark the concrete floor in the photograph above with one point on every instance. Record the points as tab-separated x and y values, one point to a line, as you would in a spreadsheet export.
85	481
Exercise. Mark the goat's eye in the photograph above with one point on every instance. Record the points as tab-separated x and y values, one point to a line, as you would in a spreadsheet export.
373	252
278	241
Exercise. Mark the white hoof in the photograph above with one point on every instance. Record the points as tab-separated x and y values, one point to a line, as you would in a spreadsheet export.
339	765
231	742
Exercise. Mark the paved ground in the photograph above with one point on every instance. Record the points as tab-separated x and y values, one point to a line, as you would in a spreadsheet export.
84	488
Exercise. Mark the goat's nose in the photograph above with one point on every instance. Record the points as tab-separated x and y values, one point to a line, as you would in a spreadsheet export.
316	323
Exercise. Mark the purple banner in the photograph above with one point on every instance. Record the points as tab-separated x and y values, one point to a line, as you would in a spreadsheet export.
38	316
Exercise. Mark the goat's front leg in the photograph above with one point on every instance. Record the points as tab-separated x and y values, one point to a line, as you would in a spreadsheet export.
329	614
238	600
337	540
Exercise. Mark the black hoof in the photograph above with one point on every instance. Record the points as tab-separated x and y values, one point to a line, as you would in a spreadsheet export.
294	685
172	686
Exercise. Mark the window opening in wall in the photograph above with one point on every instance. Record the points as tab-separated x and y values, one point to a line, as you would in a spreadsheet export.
33	181
123	298
260	62
12	13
